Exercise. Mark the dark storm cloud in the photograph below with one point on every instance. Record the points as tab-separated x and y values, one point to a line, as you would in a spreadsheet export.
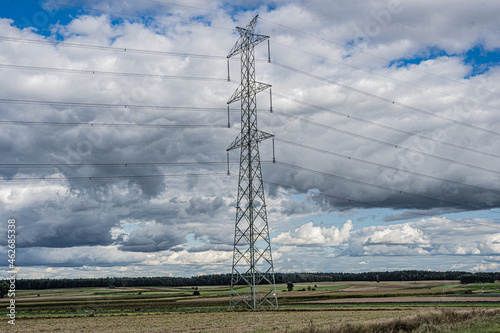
82	256
209	247
410	215
201	206
153	237
66	232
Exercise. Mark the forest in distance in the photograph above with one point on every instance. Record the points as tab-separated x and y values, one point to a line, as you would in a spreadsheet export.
225	279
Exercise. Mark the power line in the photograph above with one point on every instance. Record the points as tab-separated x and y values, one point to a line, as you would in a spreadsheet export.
90	178
290	28
360	182
205	79
219	57
281	25
121	74
384	99
383	165
384	143
159	1
372	55
110	165
449	144
115	165
217	79
111	48
224	79
348	200
54	123
389	77
115	106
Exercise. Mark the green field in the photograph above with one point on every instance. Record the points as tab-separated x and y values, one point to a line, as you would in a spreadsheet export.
312	307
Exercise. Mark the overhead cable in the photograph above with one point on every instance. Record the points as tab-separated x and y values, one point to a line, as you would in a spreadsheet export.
380	187
90	178
388	144
370	204
107	73
93	124
110	48
115	106
379	165
110	165
369	54
343	63
387	100
393	129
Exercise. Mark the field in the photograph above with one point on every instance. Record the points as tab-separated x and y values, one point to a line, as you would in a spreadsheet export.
423	306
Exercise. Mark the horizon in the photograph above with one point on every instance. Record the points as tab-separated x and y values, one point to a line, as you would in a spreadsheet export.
315	273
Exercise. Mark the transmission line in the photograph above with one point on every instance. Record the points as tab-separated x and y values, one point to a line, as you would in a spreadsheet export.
381	165
89	178
299	31
379	125
392	145
121	74
372	55
360	182
384	99
368	203
389	77
54	123
110	165
111	48
207	79
115	106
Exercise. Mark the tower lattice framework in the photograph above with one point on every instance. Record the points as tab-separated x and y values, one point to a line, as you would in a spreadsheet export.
252	277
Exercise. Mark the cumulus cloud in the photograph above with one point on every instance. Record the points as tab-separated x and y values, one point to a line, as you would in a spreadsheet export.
433	236
401	235
199	258
307	235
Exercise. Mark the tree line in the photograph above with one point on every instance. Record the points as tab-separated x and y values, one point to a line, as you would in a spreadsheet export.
225	279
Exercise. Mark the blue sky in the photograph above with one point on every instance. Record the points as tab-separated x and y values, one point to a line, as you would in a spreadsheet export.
478	58
408	112
33	14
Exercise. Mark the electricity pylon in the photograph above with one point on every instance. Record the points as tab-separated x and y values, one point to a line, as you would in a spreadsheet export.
252	276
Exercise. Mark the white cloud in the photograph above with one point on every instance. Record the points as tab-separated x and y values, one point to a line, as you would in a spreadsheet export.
400	235
486	267
433	236
20	196
197	258
308	234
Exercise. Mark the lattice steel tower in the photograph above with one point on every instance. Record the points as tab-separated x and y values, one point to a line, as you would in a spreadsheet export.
252	277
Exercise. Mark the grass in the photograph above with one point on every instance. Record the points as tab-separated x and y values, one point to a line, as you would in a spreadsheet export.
146	309
435	321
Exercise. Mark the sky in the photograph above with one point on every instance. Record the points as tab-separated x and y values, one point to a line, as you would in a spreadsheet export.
114	130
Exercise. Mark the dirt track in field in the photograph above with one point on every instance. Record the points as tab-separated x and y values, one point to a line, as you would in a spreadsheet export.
410	299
